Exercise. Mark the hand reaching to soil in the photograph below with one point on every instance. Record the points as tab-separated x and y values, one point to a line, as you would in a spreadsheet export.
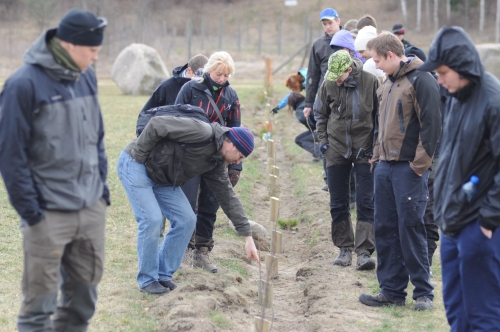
252	253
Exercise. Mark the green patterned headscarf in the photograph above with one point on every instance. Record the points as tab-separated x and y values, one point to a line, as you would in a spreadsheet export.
338	63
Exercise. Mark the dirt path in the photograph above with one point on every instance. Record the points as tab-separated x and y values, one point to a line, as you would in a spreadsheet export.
310	294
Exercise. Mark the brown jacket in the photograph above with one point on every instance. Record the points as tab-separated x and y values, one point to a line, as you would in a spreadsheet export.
409	119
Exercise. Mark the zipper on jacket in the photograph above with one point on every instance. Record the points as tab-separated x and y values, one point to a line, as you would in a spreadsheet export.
401	116
385	120
348	140
80	133
179	165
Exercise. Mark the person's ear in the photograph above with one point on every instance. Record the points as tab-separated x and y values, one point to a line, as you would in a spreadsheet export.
189	72
349	70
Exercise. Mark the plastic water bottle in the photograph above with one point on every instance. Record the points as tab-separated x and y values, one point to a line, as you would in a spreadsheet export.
470	188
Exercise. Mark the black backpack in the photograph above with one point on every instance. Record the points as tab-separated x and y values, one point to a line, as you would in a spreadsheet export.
183	111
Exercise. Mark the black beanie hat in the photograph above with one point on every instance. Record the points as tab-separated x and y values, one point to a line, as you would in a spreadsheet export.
81	27
416	51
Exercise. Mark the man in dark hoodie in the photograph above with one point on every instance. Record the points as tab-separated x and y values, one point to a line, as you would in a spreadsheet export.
470	247
408	126
167	90
347	106
54	166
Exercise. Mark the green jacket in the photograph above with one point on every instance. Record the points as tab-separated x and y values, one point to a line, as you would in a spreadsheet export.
176	149
346	115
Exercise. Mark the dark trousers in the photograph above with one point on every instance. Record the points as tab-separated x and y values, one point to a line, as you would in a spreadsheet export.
197	191
339	178
64	250
307	140
400	238
431	228
471	279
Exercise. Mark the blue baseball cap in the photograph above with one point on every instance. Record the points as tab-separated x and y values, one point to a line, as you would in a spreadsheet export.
328	14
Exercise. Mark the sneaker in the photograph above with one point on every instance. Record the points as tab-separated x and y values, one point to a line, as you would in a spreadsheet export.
365	262
168	284
423	303
325	188
187	260
344	258
154	288
379	300
201	259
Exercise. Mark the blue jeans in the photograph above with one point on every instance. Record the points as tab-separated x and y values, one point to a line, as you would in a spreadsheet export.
471	279
149	200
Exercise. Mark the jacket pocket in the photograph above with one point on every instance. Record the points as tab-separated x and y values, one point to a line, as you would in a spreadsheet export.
414	209
401	117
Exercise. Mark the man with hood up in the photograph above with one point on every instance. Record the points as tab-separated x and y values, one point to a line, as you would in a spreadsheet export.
54	167
470	247
347	106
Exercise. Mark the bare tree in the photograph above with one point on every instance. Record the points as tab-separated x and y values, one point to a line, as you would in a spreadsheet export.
405	12
436	15
481	15
427	11
42	11
419	14
448	11
467	10
497	23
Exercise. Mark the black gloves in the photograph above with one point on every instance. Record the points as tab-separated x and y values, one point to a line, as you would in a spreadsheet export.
275	110
234	176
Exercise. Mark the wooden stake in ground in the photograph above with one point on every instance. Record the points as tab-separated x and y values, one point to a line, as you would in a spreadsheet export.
262	324
271	149
271	266
265	293
270	164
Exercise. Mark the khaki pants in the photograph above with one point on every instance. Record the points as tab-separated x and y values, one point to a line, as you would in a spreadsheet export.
64	249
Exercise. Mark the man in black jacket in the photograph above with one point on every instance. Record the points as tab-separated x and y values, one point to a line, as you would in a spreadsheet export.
470	247
54	167
167	90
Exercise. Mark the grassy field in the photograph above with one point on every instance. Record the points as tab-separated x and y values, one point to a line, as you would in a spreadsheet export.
121	307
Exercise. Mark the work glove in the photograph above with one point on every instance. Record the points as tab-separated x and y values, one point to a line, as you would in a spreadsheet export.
323	148
275	110
234	176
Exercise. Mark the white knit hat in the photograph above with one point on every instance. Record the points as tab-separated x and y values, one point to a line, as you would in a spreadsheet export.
370	67
364	36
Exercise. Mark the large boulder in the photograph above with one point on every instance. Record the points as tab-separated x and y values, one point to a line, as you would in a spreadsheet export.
138	70
490	56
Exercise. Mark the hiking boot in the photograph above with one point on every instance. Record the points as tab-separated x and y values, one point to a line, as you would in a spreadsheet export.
187	260
423	303
379	300
324	188
344	258
154	288
365	262
201	260
168	284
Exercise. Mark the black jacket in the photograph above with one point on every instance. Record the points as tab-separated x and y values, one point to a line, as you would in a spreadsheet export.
226	99
166	92
470	143
318	64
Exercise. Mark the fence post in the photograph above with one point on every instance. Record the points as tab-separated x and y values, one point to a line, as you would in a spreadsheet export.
188	37
280	34
221	22
260	35
239	36
172	43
